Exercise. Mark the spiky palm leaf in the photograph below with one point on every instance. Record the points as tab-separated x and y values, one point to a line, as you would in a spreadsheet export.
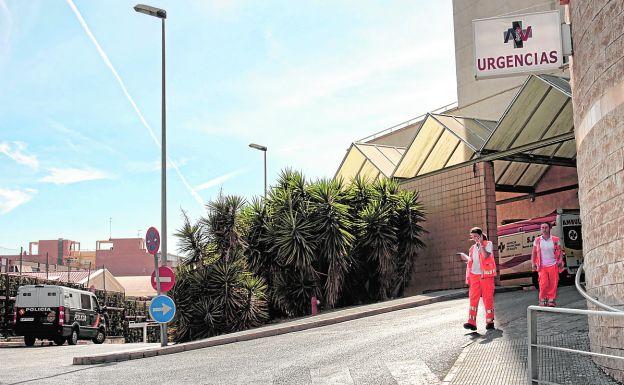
409	216
256	219
192	240
333	227
292	291
379	242
224	224
293	240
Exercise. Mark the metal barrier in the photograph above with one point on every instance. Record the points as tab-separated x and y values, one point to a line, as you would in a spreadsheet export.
533	346
581	290
144	326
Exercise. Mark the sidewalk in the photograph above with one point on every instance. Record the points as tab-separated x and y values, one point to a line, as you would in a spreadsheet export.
500	357
323	319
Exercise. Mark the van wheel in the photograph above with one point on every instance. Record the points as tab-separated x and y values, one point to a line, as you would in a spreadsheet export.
73	338
59	341
29	340
100	337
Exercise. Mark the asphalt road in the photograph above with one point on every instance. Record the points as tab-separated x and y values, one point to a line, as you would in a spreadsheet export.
414	346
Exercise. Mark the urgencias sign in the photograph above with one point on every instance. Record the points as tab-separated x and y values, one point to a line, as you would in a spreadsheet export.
519	44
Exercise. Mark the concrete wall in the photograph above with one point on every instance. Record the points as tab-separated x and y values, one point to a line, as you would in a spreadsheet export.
454	201
598	97
486	99
127	257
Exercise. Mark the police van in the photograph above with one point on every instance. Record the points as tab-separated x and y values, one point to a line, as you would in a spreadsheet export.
515	244
59	314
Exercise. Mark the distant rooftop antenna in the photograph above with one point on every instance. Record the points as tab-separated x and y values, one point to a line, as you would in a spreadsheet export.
110	228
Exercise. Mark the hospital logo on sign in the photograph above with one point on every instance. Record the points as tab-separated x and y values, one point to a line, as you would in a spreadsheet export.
517	34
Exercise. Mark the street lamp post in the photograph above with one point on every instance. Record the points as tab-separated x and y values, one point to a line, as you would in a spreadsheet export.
161	14
264	150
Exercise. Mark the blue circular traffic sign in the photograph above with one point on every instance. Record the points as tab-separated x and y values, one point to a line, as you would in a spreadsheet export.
152	240
162	309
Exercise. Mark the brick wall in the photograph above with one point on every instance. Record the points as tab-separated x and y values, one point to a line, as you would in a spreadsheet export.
597	89
454	201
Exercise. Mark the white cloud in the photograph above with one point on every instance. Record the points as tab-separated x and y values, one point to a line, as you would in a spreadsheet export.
10	199
85	144
219	180
61	176
17	152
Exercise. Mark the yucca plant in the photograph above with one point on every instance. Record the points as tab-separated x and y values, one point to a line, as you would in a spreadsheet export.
378	243
342	243
224	225
409	216
192	240
333	227
217	293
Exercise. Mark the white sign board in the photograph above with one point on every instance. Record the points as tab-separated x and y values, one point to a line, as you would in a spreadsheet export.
515	45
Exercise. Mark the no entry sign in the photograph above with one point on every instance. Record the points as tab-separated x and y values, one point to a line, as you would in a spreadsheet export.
152	240
167	278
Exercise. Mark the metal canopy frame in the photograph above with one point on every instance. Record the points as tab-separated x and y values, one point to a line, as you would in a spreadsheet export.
372	161
535	132
441	141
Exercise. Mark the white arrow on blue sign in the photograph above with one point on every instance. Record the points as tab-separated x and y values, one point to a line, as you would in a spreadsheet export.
162	309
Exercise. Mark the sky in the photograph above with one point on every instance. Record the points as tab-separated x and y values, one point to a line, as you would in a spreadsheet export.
80	102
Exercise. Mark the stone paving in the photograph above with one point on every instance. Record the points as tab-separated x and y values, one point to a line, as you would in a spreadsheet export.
500	356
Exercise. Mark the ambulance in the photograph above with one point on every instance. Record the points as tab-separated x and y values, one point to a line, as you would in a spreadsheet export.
515	243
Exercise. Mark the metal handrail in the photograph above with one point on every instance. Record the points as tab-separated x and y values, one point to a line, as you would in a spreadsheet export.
532	364
577	282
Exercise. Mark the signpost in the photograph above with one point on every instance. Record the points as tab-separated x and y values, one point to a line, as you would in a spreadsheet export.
152	242
167	279
517	45
162	309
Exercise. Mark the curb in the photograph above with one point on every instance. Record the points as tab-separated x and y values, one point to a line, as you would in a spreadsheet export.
311	322
456	366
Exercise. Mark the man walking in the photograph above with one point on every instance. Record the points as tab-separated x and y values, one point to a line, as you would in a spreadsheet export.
480	274
547	260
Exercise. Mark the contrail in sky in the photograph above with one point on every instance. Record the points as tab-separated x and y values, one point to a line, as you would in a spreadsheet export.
108	63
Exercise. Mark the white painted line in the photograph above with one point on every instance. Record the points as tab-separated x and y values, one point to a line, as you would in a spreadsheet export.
412	372
331	376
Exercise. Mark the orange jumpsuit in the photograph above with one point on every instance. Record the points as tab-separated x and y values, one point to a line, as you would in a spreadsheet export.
481	284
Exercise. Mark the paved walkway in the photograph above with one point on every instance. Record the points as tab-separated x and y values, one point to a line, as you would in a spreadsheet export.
500	356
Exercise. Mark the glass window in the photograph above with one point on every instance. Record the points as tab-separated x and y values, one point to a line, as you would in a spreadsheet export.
85	300
94	304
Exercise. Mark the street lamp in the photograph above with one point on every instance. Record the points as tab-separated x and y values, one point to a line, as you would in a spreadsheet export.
161	14
264	150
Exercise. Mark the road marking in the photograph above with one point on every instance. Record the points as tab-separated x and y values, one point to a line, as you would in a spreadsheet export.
412	372
331	376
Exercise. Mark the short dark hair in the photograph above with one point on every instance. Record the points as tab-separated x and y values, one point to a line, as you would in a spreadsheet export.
547	223
476	230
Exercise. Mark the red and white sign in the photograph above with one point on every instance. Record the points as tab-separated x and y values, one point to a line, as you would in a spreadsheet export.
167	279
518	44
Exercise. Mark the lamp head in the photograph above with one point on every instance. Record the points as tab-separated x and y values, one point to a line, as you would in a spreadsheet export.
152	11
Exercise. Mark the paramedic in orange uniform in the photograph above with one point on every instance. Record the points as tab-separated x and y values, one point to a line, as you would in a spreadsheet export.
480	274
547	260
